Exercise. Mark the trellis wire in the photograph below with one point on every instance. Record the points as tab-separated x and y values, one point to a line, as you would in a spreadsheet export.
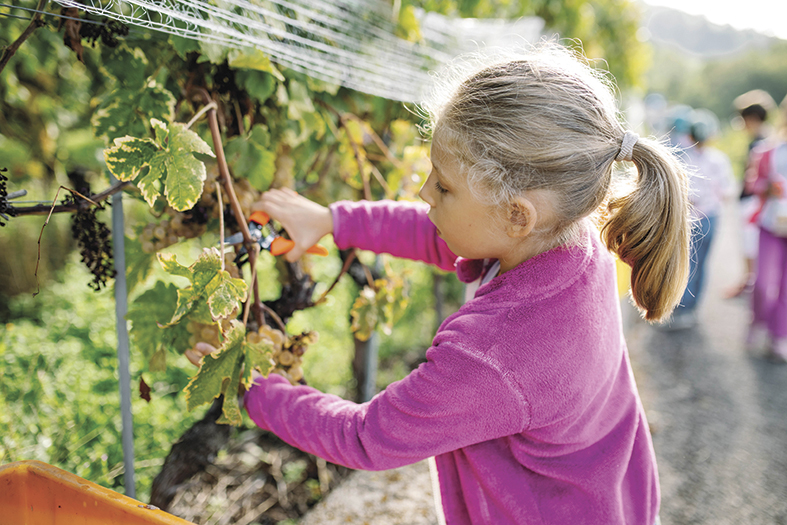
351	43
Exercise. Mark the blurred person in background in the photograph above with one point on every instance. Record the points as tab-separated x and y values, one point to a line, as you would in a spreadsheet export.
753	108
767	178
711	183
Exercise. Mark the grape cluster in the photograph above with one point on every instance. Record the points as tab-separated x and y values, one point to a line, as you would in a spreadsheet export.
287	351
108	32
6	209
203	333
93	238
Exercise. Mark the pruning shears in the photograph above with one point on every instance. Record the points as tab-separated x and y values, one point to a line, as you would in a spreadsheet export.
259	222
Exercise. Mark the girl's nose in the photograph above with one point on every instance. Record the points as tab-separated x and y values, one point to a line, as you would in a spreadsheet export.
425	194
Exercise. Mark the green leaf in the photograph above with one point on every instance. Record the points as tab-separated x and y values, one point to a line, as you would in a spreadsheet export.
138	263
223	372
218	370
183	46
127	111
212	52
257	357
185	174
209	285
248	157
149	331
125	64
409	28
379	308
169	262
257	84
364	314
300	101
186	301
128	156
253	58
230	409
161	131
149	182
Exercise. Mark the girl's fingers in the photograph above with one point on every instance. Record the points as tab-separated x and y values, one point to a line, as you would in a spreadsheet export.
200	350
193	357
203	348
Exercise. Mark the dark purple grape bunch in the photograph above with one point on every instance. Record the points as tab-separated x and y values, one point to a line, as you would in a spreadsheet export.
95	242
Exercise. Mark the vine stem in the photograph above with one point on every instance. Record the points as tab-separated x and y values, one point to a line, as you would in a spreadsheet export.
201	112
43	209
367	190
221	224
34	24
226	178
41	233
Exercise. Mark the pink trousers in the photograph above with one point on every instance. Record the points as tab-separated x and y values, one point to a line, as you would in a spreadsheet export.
769	298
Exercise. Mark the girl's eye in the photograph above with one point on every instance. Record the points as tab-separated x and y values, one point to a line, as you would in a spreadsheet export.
439	187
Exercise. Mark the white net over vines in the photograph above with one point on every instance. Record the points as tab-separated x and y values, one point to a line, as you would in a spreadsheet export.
352	43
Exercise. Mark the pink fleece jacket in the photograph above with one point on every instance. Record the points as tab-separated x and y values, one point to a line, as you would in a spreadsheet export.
526	400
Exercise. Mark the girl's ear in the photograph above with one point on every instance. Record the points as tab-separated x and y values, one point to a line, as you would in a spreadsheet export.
522	217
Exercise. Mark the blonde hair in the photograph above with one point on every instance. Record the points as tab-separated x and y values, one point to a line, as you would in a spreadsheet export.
547	120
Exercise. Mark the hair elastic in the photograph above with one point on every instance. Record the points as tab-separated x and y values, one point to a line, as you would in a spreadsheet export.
627	146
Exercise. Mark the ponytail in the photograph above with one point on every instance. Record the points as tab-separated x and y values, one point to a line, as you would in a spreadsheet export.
649	229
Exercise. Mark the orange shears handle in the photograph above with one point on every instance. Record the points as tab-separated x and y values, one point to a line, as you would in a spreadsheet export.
280	245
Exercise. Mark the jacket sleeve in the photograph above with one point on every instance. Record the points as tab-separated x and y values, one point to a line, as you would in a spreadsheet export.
757	176
451	401
398	228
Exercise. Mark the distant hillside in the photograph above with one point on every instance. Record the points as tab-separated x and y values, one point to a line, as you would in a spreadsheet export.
696	35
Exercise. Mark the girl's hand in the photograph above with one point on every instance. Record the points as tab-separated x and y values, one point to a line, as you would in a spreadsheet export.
200	350
306	222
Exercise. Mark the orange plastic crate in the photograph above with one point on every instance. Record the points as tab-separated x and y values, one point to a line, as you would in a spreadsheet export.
35	493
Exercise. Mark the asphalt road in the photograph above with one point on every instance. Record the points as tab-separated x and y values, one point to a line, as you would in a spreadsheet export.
718	415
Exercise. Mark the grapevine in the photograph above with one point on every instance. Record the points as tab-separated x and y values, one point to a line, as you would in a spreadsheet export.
6	210
95	244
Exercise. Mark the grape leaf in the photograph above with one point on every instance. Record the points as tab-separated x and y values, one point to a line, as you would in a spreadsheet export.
258	85
249	157
128	156
223	371
364	314
170	161
149	331
217	368
185	174
253	58
209	284
183	46
125	64
138	263
379	307
127	111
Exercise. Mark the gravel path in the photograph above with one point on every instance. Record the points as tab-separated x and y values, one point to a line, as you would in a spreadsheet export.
718	415
719	421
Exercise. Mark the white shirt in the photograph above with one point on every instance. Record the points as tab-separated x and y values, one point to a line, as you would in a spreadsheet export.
710	180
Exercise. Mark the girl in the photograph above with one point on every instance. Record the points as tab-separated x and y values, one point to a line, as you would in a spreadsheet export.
527	400
767	178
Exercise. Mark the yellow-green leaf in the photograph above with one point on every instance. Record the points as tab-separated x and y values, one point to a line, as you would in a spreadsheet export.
218	370
128	156
253	58
185	174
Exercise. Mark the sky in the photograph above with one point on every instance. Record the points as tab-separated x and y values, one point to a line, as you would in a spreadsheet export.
766	16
